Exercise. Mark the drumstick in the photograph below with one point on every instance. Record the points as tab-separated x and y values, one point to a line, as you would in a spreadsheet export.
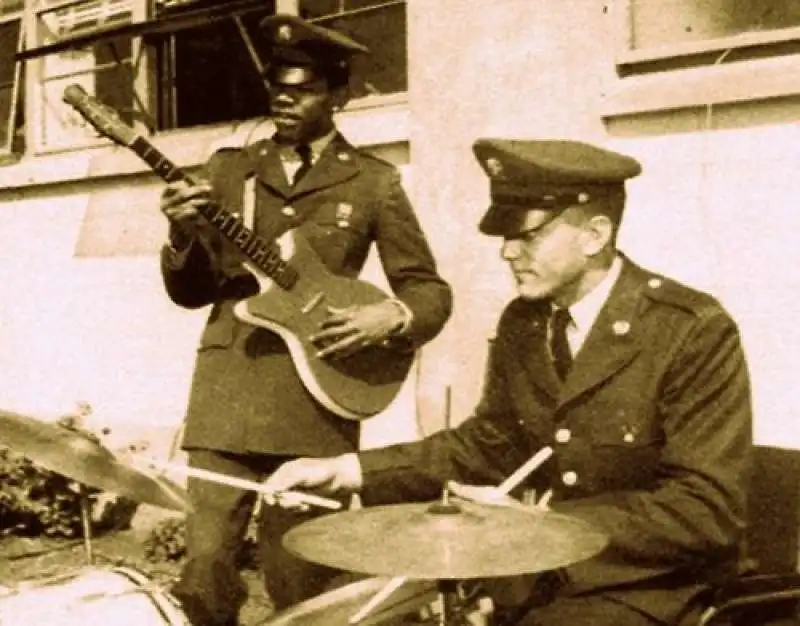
525	470
295	496
503	488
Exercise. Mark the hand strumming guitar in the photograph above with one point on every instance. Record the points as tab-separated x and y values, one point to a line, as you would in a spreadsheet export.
348	330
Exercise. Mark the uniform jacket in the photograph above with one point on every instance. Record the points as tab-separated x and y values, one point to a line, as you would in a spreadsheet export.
651	433
246	395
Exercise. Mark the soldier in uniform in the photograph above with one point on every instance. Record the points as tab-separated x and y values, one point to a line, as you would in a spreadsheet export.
248	409
638	383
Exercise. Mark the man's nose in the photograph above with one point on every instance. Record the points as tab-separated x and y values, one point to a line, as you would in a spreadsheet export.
282	96
510	249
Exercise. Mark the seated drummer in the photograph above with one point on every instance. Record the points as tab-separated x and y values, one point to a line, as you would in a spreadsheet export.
638	383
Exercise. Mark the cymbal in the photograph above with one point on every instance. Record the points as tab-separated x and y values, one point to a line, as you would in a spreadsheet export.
434	541
77	456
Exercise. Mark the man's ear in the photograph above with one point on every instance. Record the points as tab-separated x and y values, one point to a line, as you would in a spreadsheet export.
598	233
340	97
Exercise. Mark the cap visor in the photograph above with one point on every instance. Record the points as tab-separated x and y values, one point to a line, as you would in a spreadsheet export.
502	221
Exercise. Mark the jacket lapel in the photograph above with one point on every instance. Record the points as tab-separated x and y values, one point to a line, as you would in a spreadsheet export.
268	168
535	355
338	163
614	339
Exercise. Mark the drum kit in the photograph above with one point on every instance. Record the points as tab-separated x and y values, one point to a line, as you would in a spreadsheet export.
416	560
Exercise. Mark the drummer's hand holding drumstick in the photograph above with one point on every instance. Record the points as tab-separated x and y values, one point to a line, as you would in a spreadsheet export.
333	475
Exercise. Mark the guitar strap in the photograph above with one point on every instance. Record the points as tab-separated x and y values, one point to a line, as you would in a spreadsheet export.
249	201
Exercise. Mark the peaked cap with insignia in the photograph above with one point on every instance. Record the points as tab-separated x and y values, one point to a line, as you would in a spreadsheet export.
299	52
550	175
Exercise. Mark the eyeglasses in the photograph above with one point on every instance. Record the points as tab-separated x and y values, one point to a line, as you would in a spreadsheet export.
530	234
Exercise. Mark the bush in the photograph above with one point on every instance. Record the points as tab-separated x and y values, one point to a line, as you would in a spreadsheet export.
35	501
167	543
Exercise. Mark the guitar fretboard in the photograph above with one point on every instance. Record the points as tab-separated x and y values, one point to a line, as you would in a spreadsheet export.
265	255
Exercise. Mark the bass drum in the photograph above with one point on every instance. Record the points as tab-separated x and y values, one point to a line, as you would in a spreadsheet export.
410	604
90	596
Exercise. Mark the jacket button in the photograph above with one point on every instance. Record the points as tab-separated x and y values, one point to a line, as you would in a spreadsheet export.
288	211
563	435
569	478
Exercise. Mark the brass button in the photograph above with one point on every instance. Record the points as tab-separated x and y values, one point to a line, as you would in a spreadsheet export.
288	211
563	435
654	283
570	478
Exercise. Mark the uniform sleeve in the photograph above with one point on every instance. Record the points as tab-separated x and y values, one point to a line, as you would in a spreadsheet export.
696	514
483	450
409	264
192	278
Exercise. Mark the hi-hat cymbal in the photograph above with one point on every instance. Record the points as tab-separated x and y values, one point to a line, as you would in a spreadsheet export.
437	542
77	456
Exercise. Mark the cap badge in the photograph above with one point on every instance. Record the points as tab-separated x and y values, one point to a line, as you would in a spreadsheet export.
621	327
494	166
285	33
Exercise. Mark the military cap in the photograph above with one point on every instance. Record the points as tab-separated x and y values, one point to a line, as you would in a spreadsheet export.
299	51
549	175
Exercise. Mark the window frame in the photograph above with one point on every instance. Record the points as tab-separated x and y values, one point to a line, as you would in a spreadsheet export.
18	87
35	57
701	72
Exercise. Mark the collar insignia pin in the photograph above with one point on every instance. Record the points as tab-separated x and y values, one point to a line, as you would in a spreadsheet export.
621	327
285	33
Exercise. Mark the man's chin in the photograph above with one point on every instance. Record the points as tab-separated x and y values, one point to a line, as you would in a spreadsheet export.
531	292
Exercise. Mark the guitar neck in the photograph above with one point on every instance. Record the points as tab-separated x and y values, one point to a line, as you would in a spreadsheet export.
261	253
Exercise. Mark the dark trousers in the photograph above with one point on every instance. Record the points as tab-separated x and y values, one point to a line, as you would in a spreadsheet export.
210	588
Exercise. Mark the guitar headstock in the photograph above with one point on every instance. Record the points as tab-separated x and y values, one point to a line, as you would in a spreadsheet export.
101	117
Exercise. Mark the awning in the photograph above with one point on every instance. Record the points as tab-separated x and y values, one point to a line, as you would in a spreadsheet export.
151	28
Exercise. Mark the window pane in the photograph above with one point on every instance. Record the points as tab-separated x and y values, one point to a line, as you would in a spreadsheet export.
382	30
82	17
9	38
663	22
215	79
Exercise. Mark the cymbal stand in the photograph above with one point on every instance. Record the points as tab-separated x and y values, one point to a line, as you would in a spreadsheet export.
448	595
86	522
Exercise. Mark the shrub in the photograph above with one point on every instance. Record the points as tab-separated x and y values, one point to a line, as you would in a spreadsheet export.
36	501
166	542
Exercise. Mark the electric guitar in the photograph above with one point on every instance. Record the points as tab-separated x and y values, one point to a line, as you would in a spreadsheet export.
295	289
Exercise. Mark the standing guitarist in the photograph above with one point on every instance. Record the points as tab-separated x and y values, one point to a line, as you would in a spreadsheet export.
248	410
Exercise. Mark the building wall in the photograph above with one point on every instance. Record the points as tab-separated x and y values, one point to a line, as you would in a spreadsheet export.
714	208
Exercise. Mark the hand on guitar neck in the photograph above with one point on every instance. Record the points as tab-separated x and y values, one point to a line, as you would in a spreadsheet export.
181	203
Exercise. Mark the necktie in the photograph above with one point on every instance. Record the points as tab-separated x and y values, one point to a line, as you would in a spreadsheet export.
559	346
304	152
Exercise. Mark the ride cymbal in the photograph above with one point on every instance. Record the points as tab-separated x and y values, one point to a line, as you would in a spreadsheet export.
77	456
434	541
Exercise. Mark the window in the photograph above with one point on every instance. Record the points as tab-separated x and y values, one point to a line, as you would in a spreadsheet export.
104	68
684	53
11	84
207	73
378	24
659	30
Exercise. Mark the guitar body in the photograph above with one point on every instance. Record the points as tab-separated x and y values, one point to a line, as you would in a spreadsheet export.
356	387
